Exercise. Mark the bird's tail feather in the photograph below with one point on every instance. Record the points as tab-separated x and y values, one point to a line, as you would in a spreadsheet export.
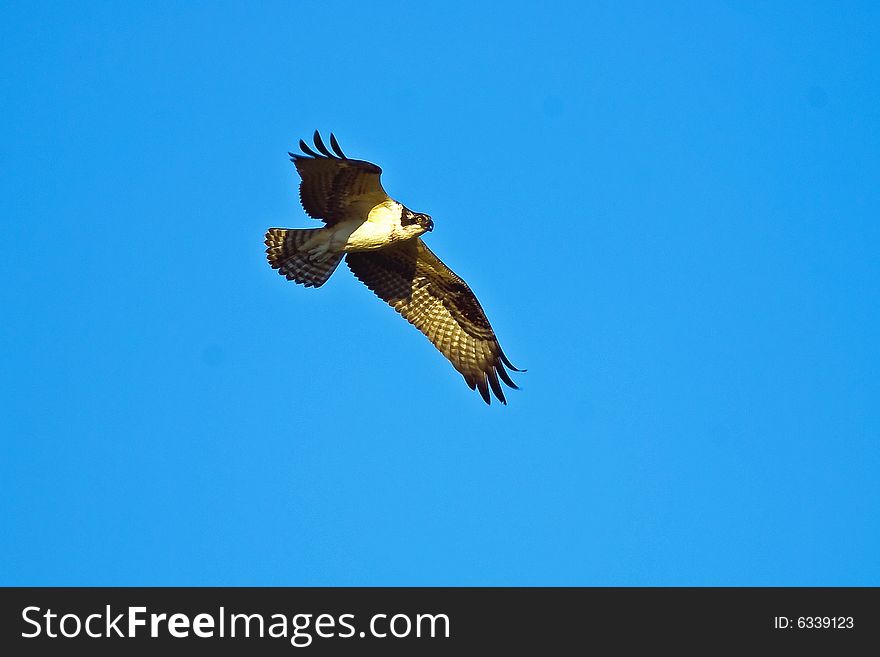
283	253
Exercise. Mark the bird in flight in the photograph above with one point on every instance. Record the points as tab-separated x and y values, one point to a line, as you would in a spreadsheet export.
381	241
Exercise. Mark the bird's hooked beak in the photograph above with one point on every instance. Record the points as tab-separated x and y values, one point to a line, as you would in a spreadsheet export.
429	225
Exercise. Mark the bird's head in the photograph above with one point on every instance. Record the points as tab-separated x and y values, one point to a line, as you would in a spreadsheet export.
417	222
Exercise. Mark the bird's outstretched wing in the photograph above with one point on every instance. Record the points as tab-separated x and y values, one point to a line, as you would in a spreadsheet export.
432	298
332	183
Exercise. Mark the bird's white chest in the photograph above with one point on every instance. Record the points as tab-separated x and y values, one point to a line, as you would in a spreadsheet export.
381	228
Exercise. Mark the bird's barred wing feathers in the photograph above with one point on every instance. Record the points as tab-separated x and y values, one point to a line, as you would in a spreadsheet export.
331	182
432	298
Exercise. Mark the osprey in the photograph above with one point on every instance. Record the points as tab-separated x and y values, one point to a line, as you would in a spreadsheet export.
380	239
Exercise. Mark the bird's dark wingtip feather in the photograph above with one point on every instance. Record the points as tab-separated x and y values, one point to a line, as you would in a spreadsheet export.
319	144
506	377
496	387
483	387
506	361
304	147
335	146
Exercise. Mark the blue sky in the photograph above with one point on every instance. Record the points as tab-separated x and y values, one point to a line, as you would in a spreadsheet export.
668	210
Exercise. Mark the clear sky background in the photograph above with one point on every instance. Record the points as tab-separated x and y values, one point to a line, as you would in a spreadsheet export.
668	210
